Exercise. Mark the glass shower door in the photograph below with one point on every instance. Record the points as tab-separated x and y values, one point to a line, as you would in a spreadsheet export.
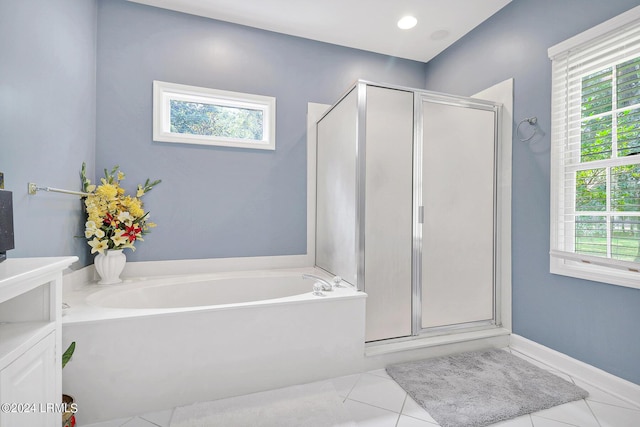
458	215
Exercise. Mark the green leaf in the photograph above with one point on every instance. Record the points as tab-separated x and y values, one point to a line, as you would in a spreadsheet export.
66	356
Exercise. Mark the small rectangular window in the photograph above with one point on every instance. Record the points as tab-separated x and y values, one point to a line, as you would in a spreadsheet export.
196	115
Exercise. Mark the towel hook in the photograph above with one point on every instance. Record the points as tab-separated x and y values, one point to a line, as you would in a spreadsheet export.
532	122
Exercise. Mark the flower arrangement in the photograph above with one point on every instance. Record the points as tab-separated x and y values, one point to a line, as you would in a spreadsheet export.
114	220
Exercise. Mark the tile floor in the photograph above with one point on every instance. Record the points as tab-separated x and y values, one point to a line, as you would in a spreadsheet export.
373	399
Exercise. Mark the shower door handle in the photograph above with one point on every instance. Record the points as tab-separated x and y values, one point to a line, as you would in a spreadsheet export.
420	214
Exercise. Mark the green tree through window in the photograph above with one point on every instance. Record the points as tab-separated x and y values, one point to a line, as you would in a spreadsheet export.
609	135
206	116
216	120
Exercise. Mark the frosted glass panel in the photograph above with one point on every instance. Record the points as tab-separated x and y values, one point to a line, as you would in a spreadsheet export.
336	190
388	214
458	229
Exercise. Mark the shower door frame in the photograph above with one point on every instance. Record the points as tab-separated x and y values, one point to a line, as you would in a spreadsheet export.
499	278
418	213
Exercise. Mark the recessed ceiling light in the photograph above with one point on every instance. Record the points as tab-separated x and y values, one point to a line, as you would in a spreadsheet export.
407	22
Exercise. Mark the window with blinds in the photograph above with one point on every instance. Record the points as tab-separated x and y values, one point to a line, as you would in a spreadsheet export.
595	142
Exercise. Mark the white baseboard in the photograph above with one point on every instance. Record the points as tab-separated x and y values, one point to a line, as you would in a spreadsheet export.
591	375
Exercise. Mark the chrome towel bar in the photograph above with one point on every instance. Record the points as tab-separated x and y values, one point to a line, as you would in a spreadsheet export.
32	189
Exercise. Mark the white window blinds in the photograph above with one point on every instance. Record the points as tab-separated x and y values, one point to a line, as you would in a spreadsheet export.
595	158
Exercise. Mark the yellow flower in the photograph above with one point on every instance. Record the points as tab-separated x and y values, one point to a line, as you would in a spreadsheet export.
90	201
134	206
95	216
111	213
112	206
119	239
98	245
106	190
125	217
90	229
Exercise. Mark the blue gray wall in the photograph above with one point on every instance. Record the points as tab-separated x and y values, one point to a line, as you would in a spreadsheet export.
217	201
593	322
47	118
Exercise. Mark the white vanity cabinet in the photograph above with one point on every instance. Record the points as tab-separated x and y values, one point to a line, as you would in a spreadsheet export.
30	341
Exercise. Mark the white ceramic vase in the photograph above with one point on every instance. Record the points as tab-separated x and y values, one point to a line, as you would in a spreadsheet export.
109	265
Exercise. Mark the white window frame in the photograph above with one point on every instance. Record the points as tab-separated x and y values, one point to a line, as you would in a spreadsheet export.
164	93
562	260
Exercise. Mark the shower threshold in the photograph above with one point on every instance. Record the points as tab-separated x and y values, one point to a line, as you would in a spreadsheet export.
495	336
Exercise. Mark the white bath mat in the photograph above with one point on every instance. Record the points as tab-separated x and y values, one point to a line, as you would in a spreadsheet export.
309	405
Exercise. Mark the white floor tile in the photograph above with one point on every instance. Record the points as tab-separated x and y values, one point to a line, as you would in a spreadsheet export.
345	384
597	395
523	421
111	423
544	422
380	373
377	391
412	409
405	421
138	422
370	416
575	413
615	416
160	418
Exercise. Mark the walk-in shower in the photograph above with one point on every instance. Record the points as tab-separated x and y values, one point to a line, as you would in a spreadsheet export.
408	207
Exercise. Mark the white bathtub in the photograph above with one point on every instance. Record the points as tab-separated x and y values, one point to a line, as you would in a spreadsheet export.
151	344
204	291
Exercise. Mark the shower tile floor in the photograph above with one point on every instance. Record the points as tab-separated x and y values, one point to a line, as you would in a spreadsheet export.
373	399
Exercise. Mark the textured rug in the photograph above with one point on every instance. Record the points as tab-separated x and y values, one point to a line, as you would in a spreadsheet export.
480	388
309	405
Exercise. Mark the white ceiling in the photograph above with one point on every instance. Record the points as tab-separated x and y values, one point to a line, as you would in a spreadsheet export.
362	24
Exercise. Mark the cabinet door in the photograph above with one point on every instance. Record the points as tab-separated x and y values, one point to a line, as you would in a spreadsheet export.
30	379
